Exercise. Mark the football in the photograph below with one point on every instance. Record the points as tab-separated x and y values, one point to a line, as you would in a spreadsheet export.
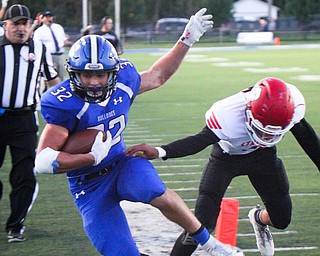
81	142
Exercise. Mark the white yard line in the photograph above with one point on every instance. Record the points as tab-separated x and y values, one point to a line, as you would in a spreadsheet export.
273	233
253	197
305	248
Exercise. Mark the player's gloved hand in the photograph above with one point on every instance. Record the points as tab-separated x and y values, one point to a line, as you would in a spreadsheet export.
4	3
100	149
197	25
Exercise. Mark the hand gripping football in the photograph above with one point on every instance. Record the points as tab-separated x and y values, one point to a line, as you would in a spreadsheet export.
81	142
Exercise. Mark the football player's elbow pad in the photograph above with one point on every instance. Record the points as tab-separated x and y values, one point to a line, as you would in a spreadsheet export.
46	161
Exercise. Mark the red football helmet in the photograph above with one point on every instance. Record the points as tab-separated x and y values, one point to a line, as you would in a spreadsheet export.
269	111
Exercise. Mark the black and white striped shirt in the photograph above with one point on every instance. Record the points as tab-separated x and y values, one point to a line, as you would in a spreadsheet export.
20	68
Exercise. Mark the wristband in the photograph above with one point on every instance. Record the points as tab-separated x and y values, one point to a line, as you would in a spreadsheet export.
55	166
161	152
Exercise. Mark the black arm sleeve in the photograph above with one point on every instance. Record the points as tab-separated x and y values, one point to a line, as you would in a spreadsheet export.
308	140
191	144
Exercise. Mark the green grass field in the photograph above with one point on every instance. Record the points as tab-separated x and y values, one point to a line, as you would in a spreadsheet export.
53	226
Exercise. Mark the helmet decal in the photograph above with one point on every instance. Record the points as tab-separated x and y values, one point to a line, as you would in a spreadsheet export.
255	93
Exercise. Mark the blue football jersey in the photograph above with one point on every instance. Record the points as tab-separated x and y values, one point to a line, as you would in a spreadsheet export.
60	106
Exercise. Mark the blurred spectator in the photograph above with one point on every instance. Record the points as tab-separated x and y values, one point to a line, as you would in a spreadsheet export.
108	33
272	25
86	31
37	22
4	5
263	25
52	35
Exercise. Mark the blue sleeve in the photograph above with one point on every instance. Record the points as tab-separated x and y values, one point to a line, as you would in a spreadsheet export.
60	106
129	76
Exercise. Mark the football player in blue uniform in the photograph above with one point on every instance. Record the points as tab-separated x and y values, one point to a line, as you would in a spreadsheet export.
98	95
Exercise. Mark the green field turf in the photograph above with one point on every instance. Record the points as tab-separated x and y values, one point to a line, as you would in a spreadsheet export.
53	226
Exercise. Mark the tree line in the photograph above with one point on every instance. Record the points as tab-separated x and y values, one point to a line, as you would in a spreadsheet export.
69	12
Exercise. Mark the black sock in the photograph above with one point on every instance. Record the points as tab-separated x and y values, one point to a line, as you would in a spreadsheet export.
198	231
257	218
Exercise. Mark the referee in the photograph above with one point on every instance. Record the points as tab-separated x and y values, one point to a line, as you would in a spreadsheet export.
22	60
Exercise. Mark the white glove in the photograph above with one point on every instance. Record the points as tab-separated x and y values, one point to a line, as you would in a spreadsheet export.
197	25
100	149
4	3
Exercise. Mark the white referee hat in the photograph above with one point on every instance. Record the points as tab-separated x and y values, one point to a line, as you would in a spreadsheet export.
17	12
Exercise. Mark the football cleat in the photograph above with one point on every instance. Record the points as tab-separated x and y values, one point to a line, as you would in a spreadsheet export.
15	237
263	235
216	248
